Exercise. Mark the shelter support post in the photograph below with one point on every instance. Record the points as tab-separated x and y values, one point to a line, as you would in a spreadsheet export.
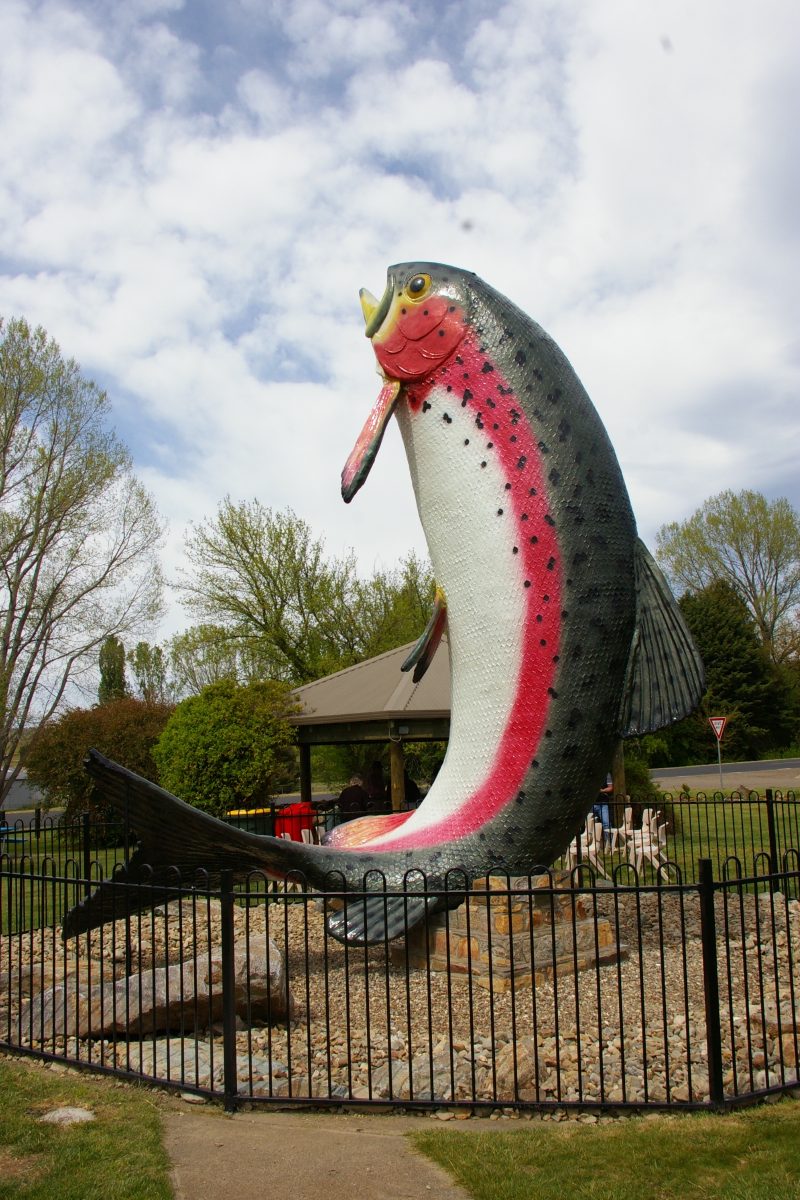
305	772
397	762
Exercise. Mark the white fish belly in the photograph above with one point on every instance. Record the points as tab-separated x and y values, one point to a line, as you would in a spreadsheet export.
471	533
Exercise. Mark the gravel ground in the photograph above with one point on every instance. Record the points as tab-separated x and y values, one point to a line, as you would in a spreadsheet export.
367	1028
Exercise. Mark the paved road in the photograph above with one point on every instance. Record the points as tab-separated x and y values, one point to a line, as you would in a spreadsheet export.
782	774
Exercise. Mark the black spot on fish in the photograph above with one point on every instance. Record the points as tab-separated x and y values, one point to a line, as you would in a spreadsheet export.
532	492
452	307
564	614
574	719
564	430
490	402
499	512
508	487
483	464
515	416
555	658
544	448
520	359
515	550
441	333
527	583
548	519
481	837
513	437
489	445
535	762
495	426
446	417
542	641
539	618
524	517
486	368
546	599
552	692
425	405
537	374
554	477
466	441
534	540
548	733
459	360
467	394
521	461
449	387
554	396
551	562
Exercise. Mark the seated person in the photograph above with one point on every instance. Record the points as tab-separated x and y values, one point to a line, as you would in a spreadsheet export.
353	800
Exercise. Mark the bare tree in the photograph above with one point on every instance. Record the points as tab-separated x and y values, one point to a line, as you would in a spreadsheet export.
79	535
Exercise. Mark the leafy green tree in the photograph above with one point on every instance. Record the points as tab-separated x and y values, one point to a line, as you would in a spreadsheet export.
149	666
742	684
229	746
204	654
267	582
112	671
79	535
752	544
125	730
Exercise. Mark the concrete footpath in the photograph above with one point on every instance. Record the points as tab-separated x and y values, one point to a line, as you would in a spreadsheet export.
300	1156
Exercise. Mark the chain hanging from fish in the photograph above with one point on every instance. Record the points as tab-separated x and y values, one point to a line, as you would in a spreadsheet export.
563	633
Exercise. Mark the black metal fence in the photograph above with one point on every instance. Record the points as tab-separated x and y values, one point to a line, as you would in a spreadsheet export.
641	831
565	989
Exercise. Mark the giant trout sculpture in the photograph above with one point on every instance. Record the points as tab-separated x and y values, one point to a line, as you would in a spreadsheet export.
563	633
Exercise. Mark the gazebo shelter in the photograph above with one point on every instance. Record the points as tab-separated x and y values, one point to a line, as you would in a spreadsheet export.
375	702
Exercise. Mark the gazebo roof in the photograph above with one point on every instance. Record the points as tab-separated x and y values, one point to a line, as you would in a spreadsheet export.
376	701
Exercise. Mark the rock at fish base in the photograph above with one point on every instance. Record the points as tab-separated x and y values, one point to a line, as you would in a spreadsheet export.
179	998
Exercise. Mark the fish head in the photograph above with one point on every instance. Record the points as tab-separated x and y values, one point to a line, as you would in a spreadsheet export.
416	326
419	321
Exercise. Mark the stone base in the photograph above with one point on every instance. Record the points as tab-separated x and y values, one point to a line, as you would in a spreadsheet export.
506	937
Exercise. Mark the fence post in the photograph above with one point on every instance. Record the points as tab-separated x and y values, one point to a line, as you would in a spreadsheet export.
708	933
774	862
229	1072
87	852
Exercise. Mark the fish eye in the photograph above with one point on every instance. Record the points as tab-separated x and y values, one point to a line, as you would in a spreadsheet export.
418	287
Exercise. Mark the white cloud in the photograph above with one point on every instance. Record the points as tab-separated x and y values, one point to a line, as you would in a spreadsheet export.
191	215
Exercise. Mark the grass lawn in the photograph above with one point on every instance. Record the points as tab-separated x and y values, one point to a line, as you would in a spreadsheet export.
753	1154
118	1156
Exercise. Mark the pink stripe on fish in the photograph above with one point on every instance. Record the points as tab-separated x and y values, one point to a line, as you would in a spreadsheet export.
478	385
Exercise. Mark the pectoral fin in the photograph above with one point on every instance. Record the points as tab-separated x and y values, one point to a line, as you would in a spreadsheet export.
665	678
421	656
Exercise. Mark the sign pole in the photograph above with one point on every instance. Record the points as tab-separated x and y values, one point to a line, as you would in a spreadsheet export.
718	725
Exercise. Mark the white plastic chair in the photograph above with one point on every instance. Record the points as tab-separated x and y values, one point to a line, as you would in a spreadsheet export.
591	843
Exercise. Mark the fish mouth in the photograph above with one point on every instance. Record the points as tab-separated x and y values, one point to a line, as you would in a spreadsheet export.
362	456
375	311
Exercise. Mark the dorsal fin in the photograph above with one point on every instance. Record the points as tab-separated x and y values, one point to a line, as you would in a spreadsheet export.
665	678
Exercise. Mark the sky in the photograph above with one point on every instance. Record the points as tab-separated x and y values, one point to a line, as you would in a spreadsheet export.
192	194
